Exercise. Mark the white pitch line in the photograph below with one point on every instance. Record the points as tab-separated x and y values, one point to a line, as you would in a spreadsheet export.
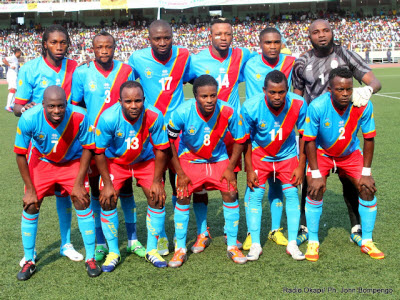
394	93
398	98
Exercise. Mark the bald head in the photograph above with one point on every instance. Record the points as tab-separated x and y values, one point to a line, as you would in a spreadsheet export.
319	23
54	104
159	25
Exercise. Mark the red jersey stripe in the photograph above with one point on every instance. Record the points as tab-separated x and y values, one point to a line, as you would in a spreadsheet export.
233	74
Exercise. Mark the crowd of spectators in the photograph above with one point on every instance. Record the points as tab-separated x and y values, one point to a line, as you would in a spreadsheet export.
359	34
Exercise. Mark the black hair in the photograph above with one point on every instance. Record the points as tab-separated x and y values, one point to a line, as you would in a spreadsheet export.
342	72
275	77
130	84
103	33
220	21
15	50
51	29
204	80
268	30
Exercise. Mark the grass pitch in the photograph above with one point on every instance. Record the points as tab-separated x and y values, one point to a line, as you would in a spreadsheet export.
342	271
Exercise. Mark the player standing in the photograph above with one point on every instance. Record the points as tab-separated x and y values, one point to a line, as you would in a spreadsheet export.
254	74
125	134
98	85
58	132
162	69
331	142
270	119
202	161
310	79
52	68
12	73
224	63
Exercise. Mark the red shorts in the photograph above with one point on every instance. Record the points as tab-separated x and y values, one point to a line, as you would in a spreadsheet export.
279	169
350	165
48	177
205	176
93	171
143	173
229	142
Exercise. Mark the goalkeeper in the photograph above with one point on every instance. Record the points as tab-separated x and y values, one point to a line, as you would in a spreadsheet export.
310	80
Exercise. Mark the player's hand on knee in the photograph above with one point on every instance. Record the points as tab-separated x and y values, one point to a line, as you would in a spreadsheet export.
297	176
368	183
182	187
30	198
157	194
230	178
316	188
108	197
252	180
80	196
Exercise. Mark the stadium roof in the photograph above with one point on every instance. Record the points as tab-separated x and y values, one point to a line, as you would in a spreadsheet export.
129	4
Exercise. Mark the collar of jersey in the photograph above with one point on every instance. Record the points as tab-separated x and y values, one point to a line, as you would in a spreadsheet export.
205	119
217	58
267	63
56	69
163	62
340	112
51	124
102	72
134	121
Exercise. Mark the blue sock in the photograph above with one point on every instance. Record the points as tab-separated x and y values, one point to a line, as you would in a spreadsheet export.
29	224
231	215
129	208
292	210
96	208
109	224
174	199
64	211
275	198
200	211
367	211
254	211
155	224
181	218
313	214
86	227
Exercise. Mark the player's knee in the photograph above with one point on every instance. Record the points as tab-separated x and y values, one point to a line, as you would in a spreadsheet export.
32	209
184	201
366	194
229	197
78	205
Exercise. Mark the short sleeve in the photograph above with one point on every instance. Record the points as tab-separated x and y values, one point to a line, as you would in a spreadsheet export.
158	133
237	128
77	89
368	122
103	136
131	62
300	124
25	87
175	125
86	136
311	126
23	136
298	81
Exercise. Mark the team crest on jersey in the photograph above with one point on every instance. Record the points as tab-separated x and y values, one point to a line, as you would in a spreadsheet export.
148	73
258	77
262	125
119	134
92	85
309	68
334	64
41	136
192	130
44	82
327	123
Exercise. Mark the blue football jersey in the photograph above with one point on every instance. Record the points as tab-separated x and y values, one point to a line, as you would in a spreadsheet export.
335	131
128	143
272	131
257	68
57	144
37	74
226	71
162	81
202	139
99	89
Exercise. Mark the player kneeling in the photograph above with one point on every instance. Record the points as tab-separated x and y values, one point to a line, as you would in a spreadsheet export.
202	161
58	132
123	151
270	118
331	139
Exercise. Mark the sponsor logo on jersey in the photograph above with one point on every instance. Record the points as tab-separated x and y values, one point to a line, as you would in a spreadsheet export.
54	136
222	70
148	73
262	125
277	124
132	132
106	86
44	82
119	133
164	73
341	123
192	130
327	123
207	130
92	85
41	136
334	63
58	82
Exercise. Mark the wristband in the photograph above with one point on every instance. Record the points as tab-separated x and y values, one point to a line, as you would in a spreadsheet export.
23	110
366	171
316	174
